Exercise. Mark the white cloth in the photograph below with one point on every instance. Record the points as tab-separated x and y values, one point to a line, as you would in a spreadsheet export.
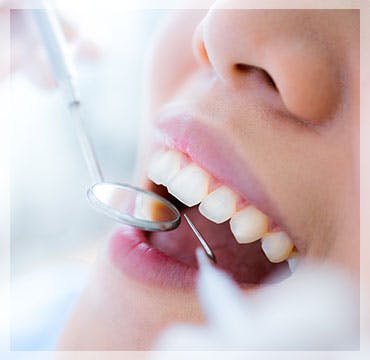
317	308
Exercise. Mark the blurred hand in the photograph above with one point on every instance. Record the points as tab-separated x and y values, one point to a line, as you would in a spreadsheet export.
27	53
315	309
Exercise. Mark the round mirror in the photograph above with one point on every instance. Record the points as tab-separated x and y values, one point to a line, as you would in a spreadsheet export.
133	206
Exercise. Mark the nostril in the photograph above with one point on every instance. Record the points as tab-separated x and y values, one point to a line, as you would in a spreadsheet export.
269	79
245	68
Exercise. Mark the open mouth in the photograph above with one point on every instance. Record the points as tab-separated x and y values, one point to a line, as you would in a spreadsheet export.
247	243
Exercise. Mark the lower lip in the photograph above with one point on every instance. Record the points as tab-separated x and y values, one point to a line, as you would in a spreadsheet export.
134	256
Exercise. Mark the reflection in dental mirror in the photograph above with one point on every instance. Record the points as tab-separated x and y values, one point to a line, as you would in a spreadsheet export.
134	206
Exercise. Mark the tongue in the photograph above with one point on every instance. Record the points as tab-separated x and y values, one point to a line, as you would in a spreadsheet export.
245	262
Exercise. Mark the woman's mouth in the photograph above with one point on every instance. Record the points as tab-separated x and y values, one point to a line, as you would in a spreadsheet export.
192	169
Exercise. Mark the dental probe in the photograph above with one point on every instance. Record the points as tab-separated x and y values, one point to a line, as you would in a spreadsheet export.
202	241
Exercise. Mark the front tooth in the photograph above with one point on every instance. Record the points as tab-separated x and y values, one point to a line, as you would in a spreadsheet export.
248	225
164	166
277	246
219	205
189	185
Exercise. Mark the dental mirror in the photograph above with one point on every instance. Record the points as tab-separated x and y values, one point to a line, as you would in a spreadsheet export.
134	206
121	202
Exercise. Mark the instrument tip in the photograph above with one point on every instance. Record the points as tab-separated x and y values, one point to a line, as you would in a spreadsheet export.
202	241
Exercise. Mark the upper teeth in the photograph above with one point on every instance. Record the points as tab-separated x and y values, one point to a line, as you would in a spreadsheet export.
190	184
277	246
219	205
249	224
165	165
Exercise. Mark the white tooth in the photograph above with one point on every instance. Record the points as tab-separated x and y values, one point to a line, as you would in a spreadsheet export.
148	208
164	166
277	246
248	225
293	261
189	185
219	205
142	207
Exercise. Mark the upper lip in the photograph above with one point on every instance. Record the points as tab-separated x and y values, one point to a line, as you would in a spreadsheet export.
207	146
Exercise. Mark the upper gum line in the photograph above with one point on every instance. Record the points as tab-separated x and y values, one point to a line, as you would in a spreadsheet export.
214	183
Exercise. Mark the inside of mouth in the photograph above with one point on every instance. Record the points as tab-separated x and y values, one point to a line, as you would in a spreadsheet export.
246	263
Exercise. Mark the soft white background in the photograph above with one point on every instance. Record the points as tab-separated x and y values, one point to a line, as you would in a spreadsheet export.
54	232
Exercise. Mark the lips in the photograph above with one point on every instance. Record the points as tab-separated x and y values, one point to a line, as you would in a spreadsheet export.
167	258
131	253
210	148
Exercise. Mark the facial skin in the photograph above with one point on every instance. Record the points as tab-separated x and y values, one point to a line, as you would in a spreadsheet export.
299	137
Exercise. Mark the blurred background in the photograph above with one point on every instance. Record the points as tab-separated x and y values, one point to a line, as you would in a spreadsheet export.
54	232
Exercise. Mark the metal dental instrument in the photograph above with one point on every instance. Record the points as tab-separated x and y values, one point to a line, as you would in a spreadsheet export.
122	202
202	241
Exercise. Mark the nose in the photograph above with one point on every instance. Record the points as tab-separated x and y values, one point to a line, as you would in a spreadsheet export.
284	45
230	42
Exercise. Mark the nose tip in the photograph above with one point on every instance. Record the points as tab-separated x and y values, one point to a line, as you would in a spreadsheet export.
214	45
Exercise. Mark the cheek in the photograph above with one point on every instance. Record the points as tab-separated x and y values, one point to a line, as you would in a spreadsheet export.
309	84
310	177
